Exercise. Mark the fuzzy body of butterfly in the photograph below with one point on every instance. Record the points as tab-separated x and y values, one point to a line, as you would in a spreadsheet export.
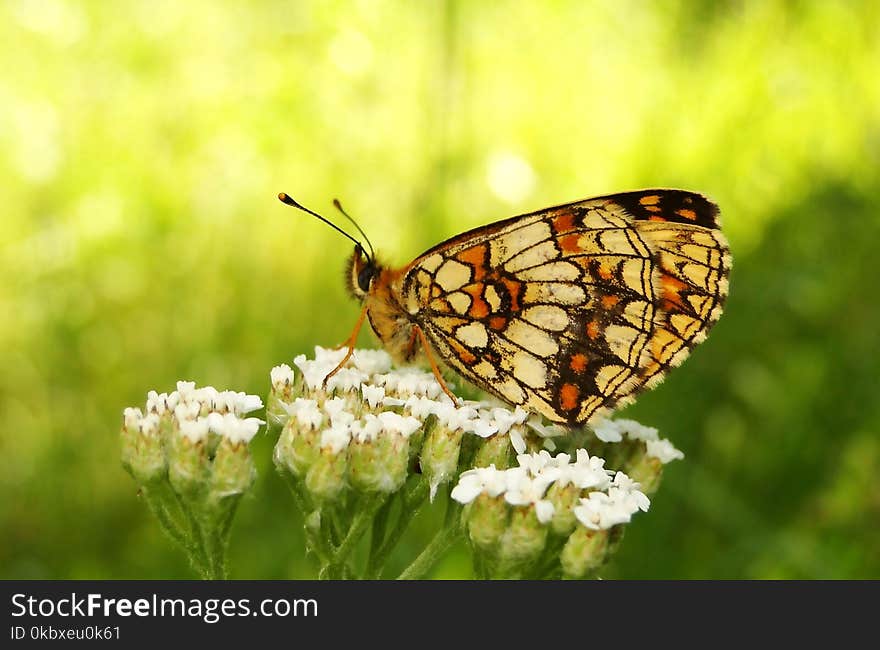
568	311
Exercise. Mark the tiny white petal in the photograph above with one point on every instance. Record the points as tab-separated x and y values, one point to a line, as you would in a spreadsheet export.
484	428
131	417
663	450
336	438
608	431
396	423
245	403
185	388
372	361
373	395
544	511
149	424
636	431
517	440
194	430
281	375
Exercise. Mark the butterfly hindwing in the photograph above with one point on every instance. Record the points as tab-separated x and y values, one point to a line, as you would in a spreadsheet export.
571	310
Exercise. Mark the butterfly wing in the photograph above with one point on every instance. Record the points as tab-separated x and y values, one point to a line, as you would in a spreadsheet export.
571	310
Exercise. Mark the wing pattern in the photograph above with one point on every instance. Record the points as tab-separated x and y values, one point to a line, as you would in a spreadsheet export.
572	310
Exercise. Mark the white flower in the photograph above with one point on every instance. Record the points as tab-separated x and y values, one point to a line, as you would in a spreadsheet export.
586	472
373	395
306	412
544	511
131	417
346	379
608	431
330	356
185	389
335	408
367	430
525	490
629	490
205	395
412	382
476	481
420	407
187	411
600	512
315	371
194	430
149	424
156	402
245	403
483	428
540	464
281	376
663	450
455	418
372	361
517	440
503	418
636	431
232	427
396	423
336	438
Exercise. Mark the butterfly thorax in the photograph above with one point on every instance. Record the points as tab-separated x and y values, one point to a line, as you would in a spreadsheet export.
378	289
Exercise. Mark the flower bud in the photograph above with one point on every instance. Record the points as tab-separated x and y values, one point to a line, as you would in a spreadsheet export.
325	478
521	543
233	469
281	393
646	470
142	450
378	456
298	445
189	468
439	456
495	450
486	519
584	551
563	498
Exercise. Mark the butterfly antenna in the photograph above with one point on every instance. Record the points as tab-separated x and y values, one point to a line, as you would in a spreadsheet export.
286	199
345	214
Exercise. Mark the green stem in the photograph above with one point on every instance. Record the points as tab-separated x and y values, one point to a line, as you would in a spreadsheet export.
358	527
377	534
411	501
314	542
432	553
157	502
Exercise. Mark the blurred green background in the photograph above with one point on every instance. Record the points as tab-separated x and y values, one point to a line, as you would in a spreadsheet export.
142	145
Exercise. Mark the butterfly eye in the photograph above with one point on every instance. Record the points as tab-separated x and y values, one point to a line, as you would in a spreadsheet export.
365	277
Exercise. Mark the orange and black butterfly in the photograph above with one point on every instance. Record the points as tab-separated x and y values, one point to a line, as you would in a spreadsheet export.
568	311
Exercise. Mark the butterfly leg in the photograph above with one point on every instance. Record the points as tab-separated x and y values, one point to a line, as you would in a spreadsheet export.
349	343
417	331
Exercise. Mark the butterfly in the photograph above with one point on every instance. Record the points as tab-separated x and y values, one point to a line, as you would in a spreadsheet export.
568	312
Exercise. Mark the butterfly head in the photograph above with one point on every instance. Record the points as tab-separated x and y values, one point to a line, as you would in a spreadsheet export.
362	271
362	267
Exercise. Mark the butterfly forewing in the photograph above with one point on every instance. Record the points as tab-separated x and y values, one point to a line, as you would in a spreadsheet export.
571	310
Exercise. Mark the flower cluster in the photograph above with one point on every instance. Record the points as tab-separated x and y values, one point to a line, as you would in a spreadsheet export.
638	449
188	451
356	428
511	513
364	445
185	418
613	497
